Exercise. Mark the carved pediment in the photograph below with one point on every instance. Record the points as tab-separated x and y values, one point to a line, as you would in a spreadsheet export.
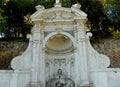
60	13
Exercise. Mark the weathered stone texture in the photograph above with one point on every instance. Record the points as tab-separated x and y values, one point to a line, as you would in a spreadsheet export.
9	50
111	48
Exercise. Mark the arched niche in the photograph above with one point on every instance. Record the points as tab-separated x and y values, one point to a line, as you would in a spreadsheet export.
59	43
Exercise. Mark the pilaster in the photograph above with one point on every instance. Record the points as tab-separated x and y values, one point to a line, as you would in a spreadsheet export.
35	68
82	55
36	54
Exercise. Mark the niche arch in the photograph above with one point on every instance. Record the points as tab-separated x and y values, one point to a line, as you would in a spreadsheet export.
59	42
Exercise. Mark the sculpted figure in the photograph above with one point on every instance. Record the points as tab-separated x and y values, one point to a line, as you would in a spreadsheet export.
60	81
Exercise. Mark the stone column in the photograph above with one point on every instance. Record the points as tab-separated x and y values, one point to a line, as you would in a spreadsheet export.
77	69
77	60
42	59
35	72
83	63
82	55
36	53
42	67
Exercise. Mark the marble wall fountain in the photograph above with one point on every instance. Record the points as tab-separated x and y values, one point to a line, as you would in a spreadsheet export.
60	54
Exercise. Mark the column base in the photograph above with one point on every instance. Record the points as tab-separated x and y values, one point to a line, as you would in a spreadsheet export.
35	84
84	84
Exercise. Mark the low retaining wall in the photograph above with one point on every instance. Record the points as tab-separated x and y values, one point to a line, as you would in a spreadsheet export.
5	78
9	78
98	78
109	77
111	48
8	50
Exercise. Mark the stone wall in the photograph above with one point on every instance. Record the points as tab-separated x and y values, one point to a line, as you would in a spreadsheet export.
5	78
9	50
109	47
10	79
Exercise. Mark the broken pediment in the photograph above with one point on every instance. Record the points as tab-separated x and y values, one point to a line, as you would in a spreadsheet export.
57	13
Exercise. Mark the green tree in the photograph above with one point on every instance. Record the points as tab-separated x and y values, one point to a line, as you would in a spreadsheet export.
16	10
97	19
2	22
113	12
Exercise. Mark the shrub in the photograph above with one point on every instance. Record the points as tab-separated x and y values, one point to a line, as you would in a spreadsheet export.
116	34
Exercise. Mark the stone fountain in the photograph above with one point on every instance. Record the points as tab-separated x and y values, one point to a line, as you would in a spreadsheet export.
60	54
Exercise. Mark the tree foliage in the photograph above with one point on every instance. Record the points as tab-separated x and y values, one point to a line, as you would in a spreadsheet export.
112	10
15	11
97	20
2	22
113	13
101	16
